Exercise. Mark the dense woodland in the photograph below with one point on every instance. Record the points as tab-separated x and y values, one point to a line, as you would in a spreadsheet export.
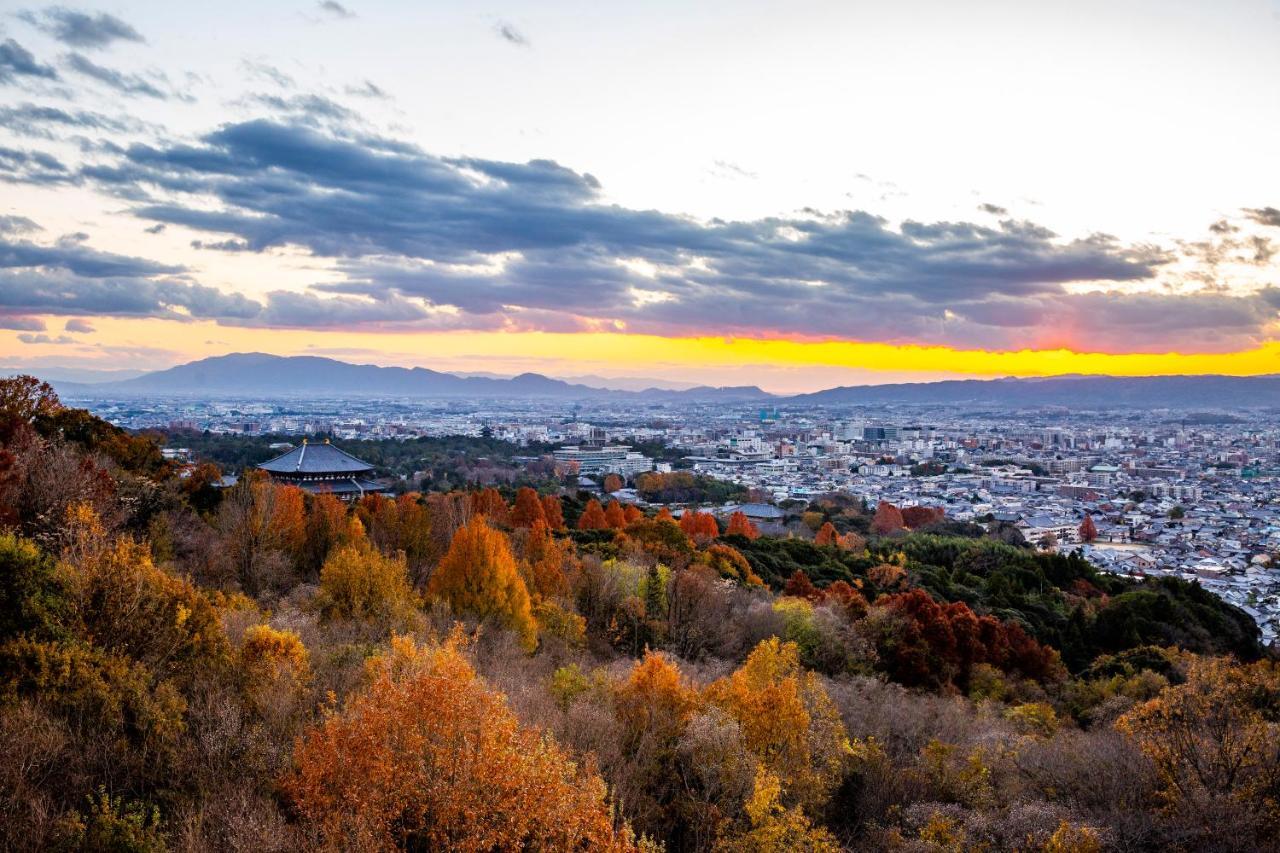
257	668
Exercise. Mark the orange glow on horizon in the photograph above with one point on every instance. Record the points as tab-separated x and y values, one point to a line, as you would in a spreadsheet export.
153	344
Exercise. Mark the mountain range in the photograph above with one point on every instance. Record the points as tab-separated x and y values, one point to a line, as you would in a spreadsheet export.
1147	392
273	376
270	376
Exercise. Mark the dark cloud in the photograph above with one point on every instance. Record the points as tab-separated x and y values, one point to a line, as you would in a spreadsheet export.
61	292
421	241
83	29
17	225
1269	216
508	33
16	61
158	228
78	326
21	324
33	167
70	278
38	121
221	245
531	244
132	85
74	257
335	9
993	209
307	310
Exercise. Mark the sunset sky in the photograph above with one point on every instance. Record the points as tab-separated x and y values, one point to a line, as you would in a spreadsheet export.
794	195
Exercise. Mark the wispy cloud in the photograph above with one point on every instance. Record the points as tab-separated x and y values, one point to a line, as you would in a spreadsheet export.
17	62
83	29
22	324
335	9
507	32
132	85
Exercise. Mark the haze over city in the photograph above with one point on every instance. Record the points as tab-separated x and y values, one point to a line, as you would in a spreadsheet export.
793	196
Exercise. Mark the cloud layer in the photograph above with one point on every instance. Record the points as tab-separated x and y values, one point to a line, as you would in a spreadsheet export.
467	242
421	241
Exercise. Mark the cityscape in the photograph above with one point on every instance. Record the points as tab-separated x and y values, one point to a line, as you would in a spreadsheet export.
1188	494
836	426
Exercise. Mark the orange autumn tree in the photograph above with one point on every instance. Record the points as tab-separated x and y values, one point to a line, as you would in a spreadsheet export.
402	524
326	526
614	516
740	525
478	577
528	509
664	514
916	517
653	707
632	513
851	542
554	512
612	483
728	562
489	502
1088	530
428	757
699	526
888	519
543	563
689	522
826	535
593	517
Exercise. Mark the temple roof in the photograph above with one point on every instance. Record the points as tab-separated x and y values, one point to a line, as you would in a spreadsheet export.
316	459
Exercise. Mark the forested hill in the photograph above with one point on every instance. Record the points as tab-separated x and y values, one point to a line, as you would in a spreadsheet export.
190	667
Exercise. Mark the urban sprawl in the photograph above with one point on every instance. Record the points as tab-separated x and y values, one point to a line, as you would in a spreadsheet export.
1189	494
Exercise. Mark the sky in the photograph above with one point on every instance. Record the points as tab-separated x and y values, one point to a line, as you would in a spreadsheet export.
793	195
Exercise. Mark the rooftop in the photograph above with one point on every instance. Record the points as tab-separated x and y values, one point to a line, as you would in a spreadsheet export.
315	459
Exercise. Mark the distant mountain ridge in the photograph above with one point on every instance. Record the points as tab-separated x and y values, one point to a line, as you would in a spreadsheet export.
1177	392
264	375
259	375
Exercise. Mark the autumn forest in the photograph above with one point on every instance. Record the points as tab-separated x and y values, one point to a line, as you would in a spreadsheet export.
520	665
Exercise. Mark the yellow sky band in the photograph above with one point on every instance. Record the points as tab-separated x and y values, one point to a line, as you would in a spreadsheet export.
165	341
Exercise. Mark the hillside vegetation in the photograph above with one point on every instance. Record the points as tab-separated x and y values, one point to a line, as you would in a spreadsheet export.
258	668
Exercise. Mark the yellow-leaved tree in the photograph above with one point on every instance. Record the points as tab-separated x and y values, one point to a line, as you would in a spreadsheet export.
1216	739
787	720
478	577
359	582
775	827
428	757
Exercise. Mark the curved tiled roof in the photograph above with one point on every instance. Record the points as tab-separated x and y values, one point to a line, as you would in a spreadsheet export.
315	459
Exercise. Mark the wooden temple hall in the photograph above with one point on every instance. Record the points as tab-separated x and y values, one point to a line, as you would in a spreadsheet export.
323	468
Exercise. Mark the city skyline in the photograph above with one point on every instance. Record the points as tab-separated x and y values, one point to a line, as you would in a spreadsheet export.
733	194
